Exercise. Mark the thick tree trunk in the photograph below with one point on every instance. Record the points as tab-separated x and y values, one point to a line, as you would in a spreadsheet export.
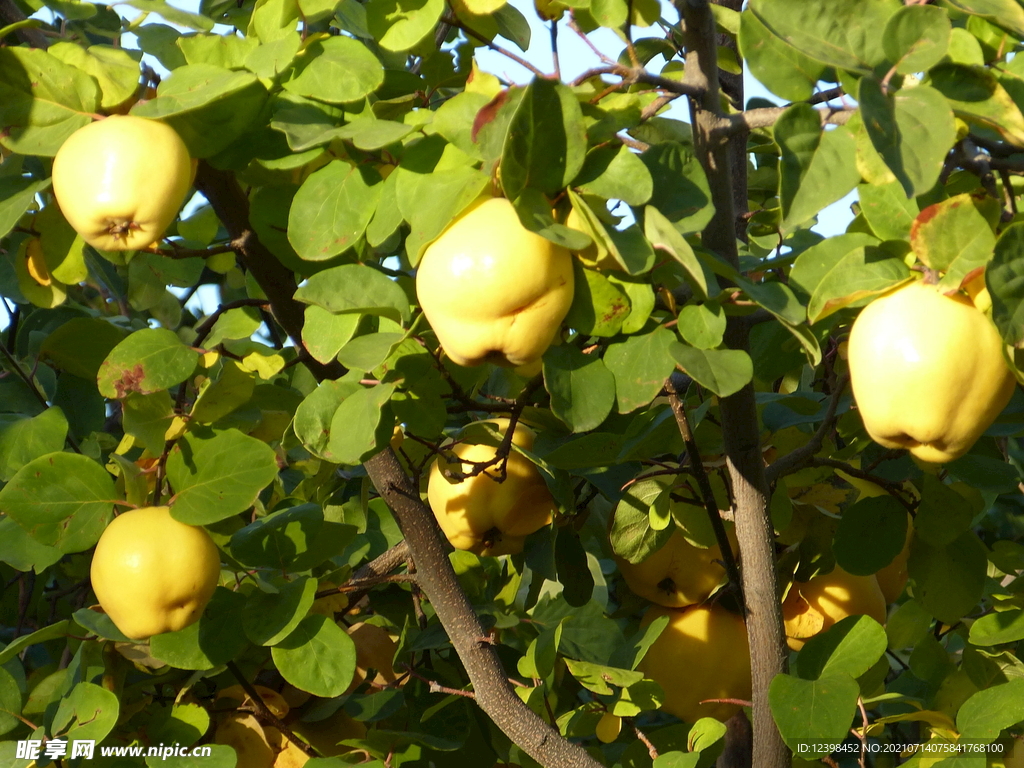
738	412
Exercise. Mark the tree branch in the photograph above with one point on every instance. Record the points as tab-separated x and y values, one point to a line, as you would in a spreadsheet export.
11	14
799	458
763	117
740	431
707	495
427	545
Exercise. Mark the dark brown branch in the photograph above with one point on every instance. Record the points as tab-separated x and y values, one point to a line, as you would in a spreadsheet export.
764	117
11	14
708	495
178	252
639	75
799	457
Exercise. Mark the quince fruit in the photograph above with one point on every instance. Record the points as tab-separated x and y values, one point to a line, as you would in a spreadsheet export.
324	735
152	573
701	654
678	574
374	650
927	372
814	606
244	734
483	515
120	181
492	290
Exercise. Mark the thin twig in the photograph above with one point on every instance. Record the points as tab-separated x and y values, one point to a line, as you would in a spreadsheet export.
651	749
697	465
264	713
453	21
798	458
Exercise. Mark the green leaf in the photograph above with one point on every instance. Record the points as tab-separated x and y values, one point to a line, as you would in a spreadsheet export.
1004	279
116	71
998	628
215	478
632	535
369	133
888	210
147	418
582	389
640	365
146	362
295	539
362	425
355	288
21	551
599	678
782	69
841	33
217	398
313	417
62	499
364	353
332	209
862	272
852	646
665	237
227	51
912	130
989	711
681	190
16	195
534	212
545	146
948	581
10	702
42	100
1006	13
318	657
976	96
817	167
572	568
337	70
811	266
173	14
211	641
80	345
269	617
616	174
24	438
702	325
723	371
870	534
89	712
942	514
52	632
916	38
399	25
431	201
813	712
209	107
598	306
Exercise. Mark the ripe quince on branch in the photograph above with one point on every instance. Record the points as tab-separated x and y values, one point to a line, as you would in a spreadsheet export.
481	514
493	291
120	181
814	606
152	573
678	574
702	654
927	372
